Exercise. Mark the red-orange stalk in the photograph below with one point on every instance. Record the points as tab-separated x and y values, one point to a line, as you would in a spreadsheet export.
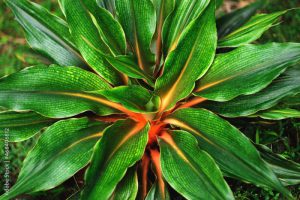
155	158
145	169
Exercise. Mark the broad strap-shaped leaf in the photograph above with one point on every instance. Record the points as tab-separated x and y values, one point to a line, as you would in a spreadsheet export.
286	85
278	113
138	20
54	91
189	170
190	60
221	140
122	145
184	13
110	29
128	66
134	98
83	29
127	188
246	70
232	21
22	125
46	33
286	170
250	31
61	151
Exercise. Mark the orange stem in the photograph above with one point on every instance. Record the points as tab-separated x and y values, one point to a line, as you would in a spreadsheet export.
145	169
192	102
155	157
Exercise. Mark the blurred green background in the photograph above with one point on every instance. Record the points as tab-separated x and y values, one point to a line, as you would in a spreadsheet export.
281	136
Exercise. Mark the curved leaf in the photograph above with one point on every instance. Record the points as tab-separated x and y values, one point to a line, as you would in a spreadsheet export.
122	145
54	91
24	125
75	12
134	97
221	140
46	33
278	114
250	31
109	29
155	193
127	188
190	60
138	20
246	70
232	21
184	13
286	170
128	66
189	170
62	150
286	85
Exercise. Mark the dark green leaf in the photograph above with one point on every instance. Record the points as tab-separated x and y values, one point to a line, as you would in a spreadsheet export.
82	30
221	140
246	70
232	21
54	91
189	170
134	97
62	150
122	145
109	29
190	60
138	20
22	126
286	170
286	85
127	188
251	31
128	66
46	33
184	13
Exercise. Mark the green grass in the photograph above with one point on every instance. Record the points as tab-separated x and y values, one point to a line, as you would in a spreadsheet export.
282	137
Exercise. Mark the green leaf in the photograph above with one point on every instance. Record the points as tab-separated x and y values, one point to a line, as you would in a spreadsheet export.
232	21
189	170
286	170
138	20
22	126
46	33
109	29
86	30
62	150
134	98
246	70
250	31
127	188
286	85
155	193
278	114
128	66
184	13
190	60
108	5
122	145
54	92
221	140
219	3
